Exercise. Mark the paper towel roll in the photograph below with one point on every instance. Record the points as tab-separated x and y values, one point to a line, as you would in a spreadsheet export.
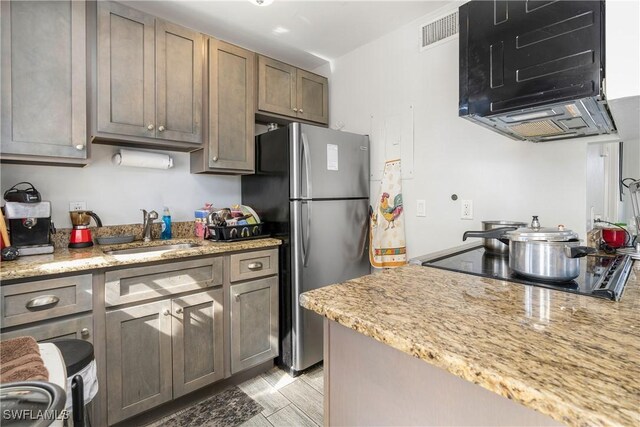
142	159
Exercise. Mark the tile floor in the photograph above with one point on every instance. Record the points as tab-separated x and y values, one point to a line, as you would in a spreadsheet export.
287	401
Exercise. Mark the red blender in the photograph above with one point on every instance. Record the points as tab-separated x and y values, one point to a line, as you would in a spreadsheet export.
81	235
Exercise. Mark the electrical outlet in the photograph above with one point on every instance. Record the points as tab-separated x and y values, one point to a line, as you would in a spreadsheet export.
421	208
77	206
467	209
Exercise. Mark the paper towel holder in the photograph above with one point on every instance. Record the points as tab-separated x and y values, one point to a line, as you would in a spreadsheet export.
142	159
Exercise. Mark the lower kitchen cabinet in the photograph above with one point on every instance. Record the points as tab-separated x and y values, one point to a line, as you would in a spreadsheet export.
80	328
138	359
162	350
197	336
254	323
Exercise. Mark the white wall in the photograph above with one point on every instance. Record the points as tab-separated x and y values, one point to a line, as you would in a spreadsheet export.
506	179
623	48
623	85
117	194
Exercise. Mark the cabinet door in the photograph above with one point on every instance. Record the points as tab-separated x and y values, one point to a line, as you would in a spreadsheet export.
312	97
138	359
254	323
231	106
276	87
178	83
44	79
197	341
125	68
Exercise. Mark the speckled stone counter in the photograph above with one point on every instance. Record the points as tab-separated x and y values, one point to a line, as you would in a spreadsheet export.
574	358
95	258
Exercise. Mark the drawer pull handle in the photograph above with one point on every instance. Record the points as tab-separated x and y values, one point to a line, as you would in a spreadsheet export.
84	332
237	297
179	310
42	302
255	266
166	312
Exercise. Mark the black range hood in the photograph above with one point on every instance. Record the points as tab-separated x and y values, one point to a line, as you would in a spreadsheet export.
534	70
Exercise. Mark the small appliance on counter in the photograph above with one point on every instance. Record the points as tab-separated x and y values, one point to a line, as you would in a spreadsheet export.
81	235
30	227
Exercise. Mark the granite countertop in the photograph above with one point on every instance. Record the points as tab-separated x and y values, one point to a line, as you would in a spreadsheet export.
575	358
64	260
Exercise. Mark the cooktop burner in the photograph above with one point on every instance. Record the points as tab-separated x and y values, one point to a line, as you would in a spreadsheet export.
600	276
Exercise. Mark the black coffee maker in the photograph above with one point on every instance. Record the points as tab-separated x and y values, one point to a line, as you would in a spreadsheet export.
29	220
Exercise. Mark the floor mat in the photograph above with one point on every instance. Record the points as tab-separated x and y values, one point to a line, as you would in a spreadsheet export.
229	408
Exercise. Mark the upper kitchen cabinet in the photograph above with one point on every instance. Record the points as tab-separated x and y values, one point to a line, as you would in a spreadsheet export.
287	92
149	81
44	110
229	136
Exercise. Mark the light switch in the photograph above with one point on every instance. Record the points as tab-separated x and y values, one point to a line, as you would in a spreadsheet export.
421	208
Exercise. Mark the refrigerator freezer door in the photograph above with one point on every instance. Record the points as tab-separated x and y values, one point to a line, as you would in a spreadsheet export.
328	164
329	245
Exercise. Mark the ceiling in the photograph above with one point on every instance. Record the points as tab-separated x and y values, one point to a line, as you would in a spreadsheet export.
306	34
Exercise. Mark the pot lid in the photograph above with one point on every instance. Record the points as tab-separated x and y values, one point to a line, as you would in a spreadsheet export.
544	234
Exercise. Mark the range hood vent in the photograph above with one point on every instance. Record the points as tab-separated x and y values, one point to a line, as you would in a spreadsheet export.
439	30
534	73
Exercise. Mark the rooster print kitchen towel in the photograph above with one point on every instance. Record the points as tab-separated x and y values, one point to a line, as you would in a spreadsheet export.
388	243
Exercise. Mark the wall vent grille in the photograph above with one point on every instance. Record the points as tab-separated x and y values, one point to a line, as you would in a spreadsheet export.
439	30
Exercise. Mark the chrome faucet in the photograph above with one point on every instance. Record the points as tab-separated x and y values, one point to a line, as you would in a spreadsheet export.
147	222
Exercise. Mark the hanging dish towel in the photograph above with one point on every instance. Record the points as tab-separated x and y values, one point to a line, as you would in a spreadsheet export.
388	243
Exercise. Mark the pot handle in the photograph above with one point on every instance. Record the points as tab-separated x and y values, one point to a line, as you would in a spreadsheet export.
96	218
578	251
496	233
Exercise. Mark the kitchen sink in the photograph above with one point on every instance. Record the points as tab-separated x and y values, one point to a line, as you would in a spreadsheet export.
143	250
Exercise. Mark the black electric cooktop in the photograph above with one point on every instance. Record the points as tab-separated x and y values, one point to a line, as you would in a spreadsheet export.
600	276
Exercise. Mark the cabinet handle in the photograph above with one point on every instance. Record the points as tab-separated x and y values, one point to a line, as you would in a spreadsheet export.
300	111
42	302
84	332
150	127
237	297
295	110
215	158
179	310
161	128
166	312
80	147
255	266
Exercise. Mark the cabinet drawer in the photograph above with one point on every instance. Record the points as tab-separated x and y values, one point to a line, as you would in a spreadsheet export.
251	265
43	299
80	328
142	283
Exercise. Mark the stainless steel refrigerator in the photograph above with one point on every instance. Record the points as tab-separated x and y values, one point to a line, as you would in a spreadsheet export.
311	187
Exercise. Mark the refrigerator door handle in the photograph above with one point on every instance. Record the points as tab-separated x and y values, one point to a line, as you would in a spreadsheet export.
307	164
306	245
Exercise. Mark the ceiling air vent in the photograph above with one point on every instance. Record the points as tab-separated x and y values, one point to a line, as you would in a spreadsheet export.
439	30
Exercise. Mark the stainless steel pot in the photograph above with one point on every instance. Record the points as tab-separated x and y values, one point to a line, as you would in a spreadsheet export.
553	261
495	246
551	254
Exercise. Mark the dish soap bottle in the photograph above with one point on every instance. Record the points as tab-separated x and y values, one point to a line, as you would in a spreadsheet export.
166	224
